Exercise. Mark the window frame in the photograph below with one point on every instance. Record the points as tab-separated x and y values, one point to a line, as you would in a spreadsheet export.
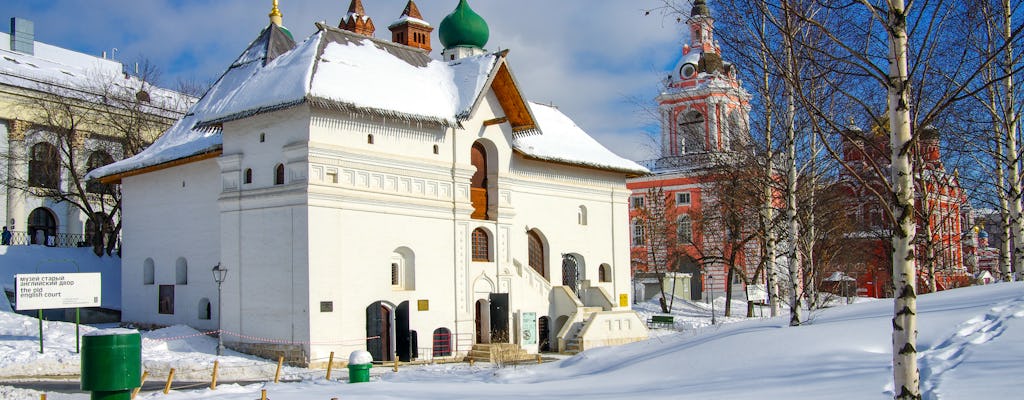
279	175
680	197
480	245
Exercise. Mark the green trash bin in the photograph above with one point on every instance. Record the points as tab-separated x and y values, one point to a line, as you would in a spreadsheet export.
359	363
111	363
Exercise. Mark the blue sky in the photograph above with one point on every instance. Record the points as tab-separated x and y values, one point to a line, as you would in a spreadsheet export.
600	62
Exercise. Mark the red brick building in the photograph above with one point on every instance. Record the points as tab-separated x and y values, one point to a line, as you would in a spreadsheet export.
939	197
704	119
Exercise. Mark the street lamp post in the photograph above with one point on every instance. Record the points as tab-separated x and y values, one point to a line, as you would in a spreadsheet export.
711	297
219	274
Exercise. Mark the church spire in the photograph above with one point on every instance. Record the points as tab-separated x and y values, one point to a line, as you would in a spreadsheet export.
356	20
275	15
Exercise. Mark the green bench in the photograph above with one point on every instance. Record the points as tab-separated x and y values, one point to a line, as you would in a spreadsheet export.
661	321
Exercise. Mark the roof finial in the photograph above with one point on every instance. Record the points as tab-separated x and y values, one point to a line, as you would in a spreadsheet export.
275	15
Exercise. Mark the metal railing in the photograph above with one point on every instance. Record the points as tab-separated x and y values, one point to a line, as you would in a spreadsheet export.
19	238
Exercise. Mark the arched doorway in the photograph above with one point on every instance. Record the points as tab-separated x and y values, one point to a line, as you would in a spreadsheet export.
544	332
571	272
378	331
483	321
41	224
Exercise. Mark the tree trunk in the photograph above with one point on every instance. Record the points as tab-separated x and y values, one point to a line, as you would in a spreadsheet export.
728	291
795	277
1013	158
1002	188
768	208
906	377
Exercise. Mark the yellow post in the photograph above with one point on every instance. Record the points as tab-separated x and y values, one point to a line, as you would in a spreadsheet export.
396	363
42	396
263	394
145	374
170	378
213	380
330	364
277	375
538	359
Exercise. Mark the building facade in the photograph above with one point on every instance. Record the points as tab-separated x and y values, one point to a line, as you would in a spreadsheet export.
35	80
379	199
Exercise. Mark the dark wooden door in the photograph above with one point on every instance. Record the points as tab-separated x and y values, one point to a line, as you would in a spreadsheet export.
499	318
403	336
479	323
378	331
544	331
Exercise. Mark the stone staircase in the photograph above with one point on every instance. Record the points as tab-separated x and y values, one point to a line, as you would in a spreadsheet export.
504	352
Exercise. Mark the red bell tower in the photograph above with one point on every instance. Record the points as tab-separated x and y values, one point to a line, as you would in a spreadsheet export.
703	108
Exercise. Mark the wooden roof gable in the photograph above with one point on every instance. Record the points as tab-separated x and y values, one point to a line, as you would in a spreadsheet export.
510	98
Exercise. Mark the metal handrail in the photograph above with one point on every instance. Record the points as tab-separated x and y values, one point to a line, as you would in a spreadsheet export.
21	238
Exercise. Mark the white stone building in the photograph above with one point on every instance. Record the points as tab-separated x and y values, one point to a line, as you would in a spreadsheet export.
362	195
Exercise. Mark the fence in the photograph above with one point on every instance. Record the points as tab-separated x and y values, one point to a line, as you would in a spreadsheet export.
19	238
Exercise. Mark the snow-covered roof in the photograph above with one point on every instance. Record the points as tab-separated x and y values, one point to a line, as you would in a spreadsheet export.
561	140
406	18
338	69
85	81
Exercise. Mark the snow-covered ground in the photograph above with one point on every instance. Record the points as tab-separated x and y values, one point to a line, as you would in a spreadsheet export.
971	342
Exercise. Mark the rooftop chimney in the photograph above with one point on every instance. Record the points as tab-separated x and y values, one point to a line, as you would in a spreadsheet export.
23	36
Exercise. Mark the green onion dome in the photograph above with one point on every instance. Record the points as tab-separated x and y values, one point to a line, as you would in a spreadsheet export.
464	28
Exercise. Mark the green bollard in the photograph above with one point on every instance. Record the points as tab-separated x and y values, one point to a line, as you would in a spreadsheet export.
359	363
111	363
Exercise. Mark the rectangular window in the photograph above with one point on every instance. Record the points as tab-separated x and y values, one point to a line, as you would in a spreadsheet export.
638	234
683	198
166	305
396	274
636	202
684	230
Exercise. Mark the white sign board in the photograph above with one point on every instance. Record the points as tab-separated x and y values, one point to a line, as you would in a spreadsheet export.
757	293
49	291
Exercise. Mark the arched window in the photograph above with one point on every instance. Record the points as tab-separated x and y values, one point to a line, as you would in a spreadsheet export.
691	133
369	139
536	253
96	227
604	273
279	174
148	272
442	342
581	215
44	166
98	159
403	269
205	310
42	225
248	175
181	271
684	229
638	232
478	185
481	245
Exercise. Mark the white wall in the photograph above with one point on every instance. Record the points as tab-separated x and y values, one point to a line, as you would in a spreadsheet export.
169	214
